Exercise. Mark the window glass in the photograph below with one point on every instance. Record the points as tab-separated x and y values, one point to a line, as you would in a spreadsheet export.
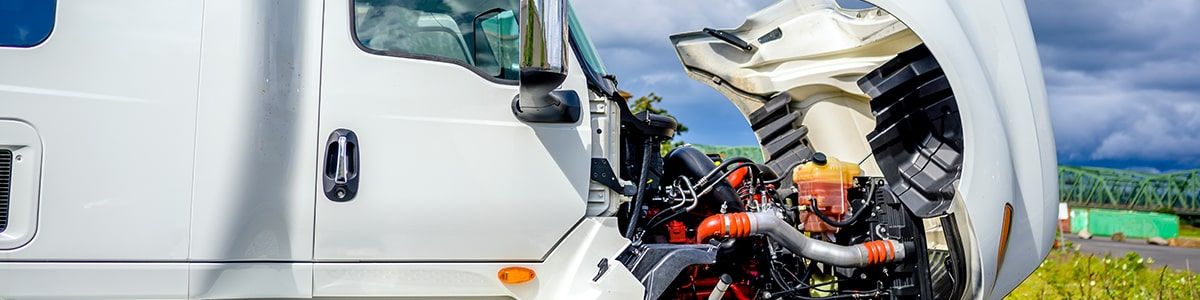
482	35
25	23
584	45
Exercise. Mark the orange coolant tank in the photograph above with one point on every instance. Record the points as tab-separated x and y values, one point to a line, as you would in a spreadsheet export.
826	180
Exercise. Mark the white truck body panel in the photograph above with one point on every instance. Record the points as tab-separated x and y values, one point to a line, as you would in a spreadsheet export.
987	51
113	100
450	174
256	125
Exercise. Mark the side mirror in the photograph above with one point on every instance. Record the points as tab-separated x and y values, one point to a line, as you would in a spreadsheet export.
543	65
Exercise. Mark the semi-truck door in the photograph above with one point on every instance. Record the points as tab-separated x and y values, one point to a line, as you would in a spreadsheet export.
422	158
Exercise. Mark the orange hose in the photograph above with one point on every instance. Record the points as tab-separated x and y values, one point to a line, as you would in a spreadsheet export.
881	251
736	177
715	225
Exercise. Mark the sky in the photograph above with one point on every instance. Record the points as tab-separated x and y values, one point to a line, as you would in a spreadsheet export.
1123	77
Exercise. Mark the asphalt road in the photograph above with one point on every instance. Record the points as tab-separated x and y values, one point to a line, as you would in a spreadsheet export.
1178	258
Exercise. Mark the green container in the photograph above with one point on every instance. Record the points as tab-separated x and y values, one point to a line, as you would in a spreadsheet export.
1134	224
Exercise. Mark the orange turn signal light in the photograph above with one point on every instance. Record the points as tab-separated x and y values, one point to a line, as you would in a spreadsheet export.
515	275
1005	228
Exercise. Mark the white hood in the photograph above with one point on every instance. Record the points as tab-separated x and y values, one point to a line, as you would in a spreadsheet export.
809	55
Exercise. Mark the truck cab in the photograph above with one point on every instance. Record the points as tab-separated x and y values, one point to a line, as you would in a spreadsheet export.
184	149
479	149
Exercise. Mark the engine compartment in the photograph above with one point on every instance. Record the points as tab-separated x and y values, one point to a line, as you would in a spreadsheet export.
727	231
817	227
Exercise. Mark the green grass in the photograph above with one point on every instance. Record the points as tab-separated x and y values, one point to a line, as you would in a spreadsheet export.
751	152
1189	231
1068	274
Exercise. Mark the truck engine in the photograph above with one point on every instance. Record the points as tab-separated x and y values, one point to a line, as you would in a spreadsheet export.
816	228
746	237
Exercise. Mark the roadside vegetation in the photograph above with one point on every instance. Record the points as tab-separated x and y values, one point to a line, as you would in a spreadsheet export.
1070	274
1190	231
751	152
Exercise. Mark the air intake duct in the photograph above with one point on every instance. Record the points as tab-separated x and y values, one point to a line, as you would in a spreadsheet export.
736	225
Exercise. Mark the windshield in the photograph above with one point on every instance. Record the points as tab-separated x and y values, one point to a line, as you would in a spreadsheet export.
586	52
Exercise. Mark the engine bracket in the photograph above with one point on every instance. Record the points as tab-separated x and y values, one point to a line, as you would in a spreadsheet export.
602	172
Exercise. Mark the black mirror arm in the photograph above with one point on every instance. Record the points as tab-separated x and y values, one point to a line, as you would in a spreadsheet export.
552	107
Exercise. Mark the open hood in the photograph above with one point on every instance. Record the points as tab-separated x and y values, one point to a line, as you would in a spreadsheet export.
860	85
799	77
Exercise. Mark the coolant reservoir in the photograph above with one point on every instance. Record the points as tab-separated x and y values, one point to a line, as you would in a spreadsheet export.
825	179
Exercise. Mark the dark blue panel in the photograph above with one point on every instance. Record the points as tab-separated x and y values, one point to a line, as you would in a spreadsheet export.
854	4
25	23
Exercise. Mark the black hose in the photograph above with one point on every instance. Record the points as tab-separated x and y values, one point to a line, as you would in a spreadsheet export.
635	210
843	296
656	222
704	180
775	276
856	295
707	183
674	210
737	162
790	291
786	173
853	217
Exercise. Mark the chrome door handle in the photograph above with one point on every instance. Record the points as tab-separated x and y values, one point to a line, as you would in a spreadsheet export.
343	162
339	176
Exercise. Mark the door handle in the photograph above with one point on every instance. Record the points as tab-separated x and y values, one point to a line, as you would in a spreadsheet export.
340	174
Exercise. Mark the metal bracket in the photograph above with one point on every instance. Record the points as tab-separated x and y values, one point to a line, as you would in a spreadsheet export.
603	174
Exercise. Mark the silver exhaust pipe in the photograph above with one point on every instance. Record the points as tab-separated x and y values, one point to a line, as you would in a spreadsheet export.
767	223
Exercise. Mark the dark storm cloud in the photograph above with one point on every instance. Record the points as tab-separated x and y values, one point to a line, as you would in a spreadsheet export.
1123	79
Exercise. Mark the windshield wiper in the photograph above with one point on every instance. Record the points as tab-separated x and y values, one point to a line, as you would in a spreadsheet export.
729	38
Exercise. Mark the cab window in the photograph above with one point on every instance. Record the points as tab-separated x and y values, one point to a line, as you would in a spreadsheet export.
479	35
25	23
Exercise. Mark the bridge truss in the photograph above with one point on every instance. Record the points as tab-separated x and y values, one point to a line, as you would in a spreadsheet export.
1178	192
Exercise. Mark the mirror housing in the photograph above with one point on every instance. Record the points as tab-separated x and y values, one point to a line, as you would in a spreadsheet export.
543	64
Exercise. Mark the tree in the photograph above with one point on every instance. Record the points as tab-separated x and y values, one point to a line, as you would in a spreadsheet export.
647	103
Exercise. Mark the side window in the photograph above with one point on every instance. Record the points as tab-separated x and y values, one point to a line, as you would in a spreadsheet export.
25	23
481	35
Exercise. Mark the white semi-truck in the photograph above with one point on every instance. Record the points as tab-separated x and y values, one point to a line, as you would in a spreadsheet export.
479	149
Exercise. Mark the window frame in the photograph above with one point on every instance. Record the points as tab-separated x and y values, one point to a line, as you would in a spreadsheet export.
49	33
401	54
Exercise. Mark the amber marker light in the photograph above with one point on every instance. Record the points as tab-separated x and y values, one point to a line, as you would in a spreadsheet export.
1006	226
515	275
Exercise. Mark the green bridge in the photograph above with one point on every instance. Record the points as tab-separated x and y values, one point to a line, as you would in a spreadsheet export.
1177	192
